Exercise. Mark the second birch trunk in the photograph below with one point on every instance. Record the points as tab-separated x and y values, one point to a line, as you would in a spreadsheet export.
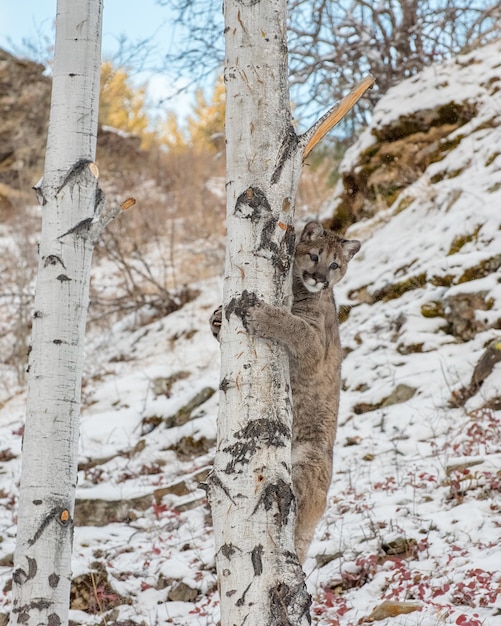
71	204
261	581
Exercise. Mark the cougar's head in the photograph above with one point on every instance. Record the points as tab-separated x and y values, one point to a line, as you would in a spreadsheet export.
322	257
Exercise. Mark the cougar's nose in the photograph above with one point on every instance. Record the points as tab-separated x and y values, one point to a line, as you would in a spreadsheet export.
320	278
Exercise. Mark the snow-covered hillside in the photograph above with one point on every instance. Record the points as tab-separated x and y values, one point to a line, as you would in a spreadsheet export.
413	527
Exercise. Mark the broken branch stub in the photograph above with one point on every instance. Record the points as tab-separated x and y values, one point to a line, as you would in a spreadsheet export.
334	115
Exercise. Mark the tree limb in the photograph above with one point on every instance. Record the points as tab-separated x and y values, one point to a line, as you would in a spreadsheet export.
105	217
334	115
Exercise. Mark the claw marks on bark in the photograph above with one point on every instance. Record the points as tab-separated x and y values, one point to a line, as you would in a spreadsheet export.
287	151
267	432
289	604
289	243
278	494
283	250
213	481
257	560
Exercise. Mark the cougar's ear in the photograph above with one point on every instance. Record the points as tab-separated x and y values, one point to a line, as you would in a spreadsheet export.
312	230
350	247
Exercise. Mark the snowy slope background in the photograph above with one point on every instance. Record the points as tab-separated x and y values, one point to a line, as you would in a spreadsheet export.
413	527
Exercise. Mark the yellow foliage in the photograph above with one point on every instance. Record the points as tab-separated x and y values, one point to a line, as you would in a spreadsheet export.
121	105
171	134
204	128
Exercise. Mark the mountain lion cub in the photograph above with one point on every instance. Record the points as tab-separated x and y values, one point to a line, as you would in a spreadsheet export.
310	334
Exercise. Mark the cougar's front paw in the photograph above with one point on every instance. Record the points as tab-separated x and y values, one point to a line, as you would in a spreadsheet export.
215	321
257	318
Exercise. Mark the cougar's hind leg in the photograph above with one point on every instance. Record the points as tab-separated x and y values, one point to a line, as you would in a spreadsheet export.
310	483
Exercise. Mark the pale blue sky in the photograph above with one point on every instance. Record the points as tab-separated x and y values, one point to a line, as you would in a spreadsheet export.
135	19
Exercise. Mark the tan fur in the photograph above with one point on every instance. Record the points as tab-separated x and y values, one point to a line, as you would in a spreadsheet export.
310	333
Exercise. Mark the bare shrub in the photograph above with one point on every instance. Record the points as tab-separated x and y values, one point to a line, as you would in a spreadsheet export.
17	267
132	279
331	44
170	239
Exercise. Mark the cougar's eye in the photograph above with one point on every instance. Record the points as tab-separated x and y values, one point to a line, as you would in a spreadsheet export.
314	258
334	266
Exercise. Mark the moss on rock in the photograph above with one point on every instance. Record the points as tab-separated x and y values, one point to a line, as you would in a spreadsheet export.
401	153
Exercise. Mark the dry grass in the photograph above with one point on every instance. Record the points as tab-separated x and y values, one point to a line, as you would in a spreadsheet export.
171	238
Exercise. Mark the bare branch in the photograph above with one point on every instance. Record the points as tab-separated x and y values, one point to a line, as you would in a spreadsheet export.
333	45
327	122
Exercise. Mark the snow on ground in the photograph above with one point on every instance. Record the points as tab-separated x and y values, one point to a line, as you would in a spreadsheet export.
414	509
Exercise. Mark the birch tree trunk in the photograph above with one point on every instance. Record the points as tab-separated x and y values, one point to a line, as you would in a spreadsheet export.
253	508
71	220
261	581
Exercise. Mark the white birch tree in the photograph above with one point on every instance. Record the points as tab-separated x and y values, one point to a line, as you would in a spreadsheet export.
260	579
72	219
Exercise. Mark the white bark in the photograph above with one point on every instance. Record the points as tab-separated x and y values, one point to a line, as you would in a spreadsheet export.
71	206
261	581
253	509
